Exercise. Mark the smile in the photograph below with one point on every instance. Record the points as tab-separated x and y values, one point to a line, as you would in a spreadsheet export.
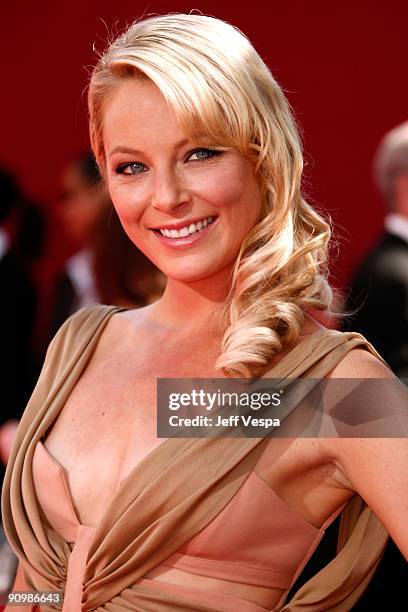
187	229
187	234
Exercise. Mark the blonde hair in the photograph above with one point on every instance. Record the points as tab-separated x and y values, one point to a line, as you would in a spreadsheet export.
217	85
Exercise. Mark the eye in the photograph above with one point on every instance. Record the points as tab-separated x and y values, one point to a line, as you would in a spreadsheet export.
130	168
201	154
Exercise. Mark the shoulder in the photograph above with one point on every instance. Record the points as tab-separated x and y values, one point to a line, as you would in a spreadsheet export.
87	314
361	362
76	331
84	317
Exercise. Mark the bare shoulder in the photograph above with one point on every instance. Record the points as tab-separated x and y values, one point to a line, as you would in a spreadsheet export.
130	317
359	362
123	326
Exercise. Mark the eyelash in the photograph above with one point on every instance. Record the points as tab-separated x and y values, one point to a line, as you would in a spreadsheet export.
120	169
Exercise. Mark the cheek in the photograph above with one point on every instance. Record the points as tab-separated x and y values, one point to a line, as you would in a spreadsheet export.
237	194
130	206
223	189
127	202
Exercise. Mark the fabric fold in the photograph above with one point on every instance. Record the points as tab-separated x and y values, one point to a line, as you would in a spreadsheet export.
166	499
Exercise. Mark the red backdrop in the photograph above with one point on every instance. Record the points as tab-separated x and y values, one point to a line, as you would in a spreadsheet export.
342	65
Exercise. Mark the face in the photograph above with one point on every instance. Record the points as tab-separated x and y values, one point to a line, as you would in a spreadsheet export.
186	205
80	205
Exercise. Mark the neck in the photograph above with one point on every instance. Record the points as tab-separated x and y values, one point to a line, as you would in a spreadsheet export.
195	306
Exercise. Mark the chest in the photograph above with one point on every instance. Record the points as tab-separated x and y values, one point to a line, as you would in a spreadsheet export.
108	424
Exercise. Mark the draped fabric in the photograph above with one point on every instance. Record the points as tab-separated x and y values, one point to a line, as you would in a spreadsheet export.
173	493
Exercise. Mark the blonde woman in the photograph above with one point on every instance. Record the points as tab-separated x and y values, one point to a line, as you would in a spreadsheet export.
202	159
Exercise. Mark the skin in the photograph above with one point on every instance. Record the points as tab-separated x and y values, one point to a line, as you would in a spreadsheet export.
97	434
400	195
80	205
177	186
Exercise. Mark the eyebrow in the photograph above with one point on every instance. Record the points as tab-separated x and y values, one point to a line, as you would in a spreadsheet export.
131	151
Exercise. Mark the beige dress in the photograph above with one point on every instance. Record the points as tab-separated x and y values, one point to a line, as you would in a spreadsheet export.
199	504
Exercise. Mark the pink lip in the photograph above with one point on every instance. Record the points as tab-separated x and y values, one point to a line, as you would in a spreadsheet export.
184	241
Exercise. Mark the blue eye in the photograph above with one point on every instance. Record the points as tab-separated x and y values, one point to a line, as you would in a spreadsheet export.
202	154
131	168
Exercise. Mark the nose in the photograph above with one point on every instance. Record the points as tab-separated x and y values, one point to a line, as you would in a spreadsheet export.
169	191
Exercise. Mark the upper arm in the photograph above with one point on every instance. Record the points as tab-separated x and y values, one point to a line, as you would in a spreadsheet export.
377	467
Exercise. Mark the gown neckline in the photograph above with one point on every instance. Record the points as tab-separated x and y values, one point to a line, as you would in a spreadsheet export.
64	474
180	444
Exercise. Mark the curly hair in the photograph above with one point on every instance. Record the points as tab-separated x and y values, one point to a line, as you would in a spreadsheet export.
217	85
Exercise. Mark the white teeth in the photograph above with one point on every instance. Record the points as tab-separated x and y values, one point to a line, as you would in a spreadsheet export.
188	229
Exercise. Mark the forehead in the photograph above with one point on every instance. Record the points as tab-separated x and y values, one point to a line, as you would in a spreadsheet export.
137	109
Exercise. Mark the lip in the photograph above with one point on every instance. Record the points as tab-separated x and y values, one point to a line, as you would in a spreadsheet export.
181	224
185	241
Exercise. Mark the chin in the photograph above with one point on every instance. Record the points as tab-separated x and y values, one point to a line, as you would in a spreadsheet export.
188	274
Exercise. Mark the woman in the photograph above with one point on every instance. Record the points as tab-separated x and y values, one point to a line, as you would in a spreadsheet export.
202	160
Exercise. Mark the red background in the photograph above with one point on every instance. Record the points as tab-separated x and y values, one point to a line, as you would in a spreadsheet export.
342	65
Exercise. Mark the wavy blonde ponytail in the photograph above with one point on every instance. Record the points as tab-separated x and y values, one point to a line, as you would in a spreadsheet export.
217	85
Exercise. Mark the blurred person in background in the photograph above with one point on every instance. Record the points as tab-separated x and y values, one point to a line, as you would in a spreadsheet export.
379	297
106	267
21	244
379	288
